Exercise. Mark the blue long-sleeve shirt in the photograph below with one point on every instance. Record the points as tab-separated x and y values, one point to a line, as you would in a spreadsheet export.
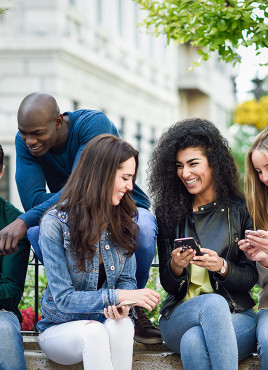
53	169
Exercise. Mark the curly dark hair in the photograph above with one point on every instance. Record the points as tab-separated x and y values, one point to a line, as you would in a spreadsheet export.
171	199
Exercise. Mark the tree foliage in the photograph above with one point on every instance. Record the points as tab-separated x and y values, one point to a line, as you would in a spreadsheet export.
210	25
253	112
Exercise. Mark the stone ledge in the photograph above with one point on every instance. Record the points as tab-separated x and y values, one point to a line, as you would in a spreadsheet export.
145	357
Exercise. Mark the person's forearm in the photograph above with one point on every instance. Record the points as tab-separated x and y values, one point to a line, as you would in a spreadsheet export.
32	217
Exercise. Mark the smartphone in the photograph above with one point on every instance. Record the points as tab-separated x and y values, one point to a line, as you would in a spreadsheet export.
126	303
252	232
187	243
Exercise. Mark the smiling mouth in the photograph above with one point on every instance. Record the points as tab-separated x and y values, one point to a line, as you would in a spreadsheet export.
191	182
34	148
121	194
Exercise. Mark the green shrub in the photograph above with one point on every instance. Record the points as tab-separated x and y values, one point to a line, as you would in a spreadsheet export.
29	295
154	283
255	291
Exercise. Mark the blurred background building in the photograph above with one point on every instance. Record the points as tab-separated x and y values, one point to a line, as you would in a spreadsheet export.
91	54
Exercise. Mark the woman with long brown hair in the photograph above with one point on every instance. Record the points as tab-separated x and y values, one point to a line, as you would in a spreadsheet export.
255	245
87	241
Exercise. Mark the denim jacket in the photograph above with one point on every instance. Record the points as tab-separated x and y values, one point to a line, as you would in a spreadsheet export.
72	294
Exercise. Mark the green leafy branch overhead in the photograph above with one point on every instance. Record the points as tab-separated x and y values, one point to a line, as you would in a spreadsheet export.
210	25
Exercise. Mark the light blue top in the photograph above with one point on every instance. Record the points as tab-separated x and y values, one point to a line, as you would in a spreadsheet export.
72	294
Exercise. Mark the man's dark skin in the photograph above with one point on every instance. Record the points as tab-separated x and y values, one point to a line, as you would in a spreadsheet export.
42	128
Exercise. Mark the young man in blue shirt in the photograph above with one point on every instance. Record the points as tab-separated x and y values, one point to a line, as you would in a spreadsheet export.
48	146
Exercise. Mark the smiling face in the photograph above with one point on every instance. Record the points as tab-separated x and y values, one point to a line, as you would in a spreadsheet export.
260	163
40	133
196	175
123	180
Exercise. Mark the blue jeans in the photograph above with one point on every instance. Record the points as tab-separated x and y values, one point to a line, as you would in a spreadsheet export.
144	254
262	337
207	335
11	344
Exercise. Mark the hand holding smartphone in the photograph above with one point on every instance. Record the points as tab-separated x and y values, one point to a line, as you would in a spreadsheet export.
188	243
126	303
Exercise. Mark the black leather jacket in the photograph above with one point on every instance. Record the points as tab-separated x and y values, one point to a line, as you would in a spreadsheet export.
217	228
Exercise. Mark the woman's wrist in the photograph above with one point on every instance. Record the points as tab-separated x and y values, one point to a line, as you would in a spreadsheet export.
223	271
175	269
264	262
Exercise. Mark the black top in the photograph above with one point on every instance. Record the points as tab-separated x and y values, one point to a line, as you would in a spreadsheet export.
217	228
102	276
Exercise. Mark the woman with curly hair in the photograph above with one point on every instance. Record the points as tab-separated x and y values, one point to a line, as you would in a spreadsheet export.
255	245
207	316
88	242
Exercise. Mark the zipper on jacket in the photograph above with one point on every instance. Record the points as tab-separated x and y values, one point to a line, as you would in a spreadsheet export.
230	234
182	282
232	301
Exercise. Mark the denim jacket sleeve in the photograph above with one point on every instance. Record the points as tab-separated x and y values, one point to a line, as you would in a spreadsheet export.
66	298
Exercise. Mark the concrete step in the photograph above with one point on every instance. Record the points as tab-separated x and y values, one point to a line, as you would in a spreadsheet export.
145	357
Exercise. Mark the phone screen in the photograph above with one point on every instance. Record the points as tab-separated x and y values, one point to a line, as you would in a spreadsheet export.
187	243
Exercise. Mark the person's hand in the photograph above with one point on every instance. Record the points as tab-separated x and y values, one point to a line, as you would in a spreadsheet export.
253	253
210	260
10	236
180	260
114	313
260	242
146	298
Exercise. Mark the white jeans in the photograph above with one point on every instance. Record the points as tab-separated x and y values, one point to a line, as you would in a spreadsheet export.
100	346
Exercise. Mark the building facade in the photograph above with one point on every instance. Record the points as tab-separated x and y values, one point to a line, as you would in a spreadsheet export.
91	54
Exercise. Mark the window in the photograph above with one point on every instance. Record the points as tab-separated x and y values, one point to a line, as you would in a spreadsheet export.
120	18
138	136
152	140
122	127
4	182
75	105
99	11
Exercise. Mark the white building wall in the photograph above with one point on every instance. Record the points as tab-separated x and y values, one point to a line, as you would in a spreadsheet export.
90	54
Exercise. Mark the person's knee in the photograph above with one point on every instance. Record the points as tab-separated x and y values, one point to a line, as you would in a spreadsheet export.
95	332
33	236
122	325
215	302
9	330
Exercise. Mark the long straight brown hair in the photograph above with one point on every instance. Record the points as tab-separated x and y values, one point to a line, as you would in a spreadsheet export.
87	197
256	190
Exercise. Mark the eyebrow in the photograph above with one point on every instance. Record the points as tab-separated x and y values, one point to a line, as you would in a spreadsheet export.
190	160
32	132
257	168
